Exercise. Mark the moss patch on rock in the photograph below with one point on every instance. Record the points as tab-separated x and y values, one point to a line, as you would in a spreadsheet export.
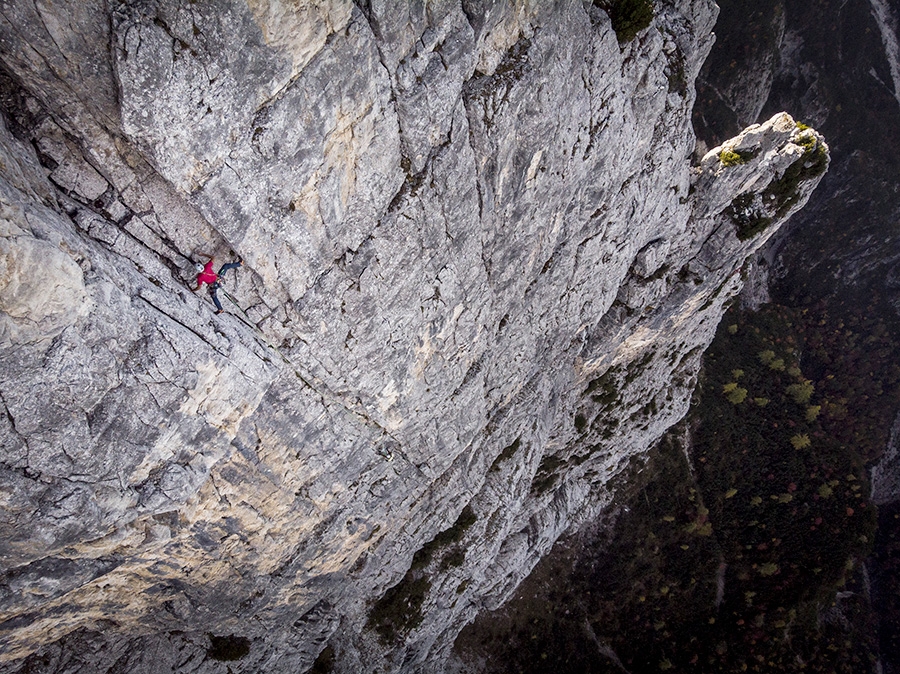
628	17
747	218
736	157
399	610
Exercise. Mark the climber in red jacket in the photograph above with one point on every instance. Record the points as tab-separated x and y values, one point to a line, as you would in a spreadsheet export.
206	276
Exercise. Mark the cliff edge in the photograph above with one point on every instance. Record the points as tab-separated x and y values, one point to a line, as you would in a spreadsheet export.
479	273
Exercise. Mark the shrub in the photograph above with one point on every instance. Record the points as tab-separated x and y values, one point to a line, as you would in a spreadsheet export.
456	557
509	450
768	569
737	396
324	664
747	217
580	423
783	193
736	157
227	649
604	389
400	609
546	475
628	17
446	537
801	391
730	158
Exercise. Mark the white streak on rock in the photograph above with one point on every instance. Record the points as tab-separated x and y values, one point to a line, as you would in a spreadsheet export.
887	25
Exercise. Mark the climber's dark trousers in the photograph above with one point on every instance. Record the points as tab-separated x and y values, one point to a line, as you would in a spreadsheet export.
229	265
215	286
212	292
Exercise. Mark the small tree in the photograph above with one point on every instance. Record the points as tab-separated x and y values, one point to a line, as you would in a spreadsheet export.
737	395
801	391
628	17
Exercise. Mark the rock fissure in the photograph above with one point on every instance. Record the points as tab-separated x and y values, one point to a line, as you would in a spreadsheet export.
193	331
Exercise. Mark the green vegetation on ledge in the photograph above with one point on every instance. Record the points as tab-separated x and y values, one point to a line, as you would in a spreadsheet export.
507	453
736	157
747	219
782	194
628	17
399	610
751	214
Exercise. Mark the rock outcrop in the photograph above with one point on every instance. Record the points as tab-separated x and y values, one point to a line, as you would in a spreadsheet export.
479	274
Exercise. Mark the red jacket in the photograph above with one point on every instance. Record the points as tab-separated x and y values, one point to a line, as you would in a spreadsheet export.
207	276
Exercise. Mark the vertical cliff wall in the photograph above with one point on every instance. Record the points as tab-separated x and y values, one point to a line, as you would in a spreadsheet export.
479	273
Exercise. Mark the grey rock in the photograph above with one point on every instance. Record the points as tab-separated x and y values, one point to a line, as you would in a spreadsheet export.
479	275
885	475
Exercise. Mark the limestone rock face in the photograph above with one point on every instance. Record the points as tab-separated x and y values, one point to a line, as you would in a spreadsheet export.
479	272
